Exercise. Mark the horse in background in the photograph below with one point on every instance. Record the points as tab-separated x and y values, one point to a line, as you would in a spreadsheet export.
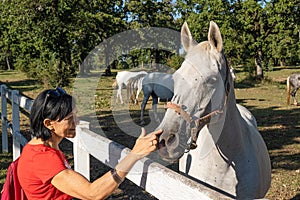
216	143
159	86
134	87
232	72
156	84
122	80
294	82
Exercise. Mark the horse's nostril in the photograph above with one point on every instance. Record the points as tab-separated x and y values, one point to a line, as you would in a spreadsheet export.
161	144
171	140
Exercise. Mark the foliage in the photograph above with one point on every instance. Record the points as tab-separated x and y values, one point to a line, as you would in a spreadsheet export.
49	40
260	33
175	61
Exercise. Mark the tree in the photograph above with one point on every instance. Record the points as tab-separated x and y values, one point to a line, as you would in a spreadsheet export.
146	13
48	39
251	15
198	13
254	31
283	44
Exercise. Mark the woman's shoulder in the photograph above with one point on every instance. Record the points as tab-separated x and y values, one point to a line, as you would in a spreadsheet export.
37	150
40	155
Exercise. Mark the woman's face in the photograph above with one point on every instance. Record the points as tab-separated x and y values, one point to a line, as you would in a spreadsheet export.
67	126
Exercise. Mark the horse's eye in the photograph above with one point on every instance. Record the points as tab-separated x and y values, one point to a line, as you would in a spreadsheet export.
211	80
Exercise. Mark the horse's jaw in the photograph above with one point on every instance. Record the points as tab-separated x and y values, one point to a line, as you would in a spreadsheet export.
170	147
170	157
168	152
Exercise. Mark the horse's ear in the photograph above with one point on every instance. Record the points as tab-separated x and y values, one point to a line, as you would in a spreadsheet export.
187	40
214	37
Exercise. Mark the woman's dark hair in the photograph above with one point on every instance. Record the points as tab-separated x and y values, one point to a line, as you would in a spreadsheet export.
49	104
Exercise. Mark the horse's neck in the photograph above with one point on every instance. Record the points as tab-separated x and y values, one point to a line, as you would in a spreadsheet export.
230	139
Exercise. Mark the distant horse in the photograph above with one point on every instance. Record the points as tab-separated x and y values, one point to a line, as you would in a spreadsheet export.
157	85
232	72
122	79
216	140
134	87
294	82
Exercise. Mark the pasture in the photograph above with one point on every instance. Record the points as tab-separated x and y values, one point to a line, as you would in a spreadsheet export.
278	123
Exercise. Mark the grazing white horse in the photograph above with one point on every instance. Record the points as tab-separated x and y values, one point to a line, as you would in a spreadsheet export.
122	80
294	82
134	87
216	140
232	72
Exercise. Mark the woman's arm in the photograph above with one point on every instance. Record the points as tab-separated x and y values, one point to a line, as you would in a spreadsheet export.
76	185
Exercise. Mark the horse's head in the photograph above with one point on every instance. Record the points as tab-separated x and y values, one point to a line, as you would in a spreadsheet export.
200	93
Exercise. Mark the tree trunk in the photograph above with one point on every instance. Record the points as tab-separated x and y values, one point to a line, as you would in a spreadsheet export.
258	63
81	69
281	63
259	72
107	71
8	65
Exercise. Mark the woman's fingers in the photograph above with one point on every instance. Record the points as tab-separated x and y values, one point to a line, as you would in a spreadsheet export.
157	132
143	133
146	143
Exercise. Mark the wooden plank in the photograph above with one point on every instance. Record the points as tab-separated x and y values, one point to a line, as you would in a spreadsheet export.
155	178
81	156
4	119
16	124
25	102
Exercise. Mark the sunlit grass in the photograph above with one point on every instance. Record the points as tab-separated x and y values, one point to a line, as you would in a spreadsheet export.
278	123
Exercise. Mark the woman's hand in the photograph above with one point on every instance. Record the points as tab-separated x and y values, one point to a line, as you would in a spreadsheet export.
145	144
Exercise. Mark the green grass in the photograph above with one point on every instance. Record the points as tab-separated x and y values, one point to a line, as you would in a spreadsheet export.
278	123
19	81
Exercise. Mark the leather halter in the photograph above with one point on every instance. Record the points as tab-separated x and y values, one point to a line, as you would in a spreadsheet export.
196	123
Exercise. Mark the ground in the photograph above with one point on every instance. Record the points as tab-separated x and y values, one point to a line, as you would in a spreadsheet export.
278	123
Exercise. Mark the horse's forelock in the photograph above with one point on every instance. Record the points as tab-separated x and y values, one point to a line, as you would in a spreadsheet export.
205	45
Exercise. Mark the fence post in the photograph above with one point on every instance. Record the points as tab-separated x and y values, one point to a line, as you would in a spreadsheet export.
81	155
4	118
16	124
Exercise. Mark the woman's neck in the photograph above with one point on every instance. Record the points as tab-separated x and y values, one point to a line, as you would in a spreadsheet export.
49	143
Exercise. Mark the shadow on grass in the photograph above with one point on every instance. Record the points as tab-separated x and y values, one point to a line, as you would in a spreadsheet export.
277	127
22	85
5	160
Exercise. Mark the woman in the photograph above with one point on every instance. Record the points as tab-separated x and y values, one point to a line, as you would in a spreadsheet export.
43	170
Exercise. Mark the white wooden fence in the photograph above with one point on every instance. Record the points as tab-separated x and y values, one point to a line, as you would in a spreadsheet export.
155	178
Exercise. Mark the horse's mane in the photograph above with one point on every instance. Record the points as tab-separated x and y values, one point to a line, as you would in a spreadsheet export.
132	84
132	81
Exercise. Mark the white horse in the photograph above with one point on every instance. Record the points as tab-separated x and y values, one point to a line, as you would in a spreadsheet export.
160	87
232	72
294	82
121	81
134	87
216	140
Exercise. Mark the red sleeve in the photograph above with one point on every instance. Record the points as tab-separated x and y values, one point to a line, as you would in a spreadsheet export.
48	165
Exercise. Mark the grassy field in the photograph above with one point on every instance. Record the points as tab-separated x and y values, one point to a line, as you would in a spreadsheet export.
278	123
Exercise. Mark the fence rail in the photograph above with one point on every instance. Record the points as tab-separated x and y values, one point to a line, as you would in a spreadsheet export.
155	178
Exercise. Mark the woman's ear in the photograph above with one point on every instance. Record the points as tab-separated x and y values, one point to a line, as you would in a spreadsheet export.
48	124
